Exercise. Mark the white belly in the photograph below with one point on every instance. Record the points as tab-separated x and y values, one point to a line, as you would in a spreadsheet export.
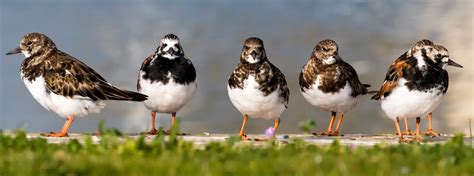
63	106
166	98
402	102
252	101
339	102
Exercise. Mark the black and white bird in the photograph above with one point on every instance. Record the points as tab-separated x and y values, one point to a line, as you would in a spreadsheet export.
331	84
256	87
168	78
64	84
415	83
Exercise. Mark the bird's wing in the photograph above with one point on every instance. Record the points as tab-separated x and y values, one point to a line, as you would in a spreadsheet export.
351	76
71	78
394	73
284	91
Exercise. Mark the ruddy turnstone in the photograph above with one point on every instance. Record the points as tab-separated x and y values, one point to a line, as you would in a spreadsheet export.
168	78
256	87
415	83
331	84
64	84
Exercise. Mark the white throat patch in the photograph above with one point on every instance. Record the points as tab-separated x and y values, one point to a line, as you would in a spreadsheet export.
27	55
251	60
329	61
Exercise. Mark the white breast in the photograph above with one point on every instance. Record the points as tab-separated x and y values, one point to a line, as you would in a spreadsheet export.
402	102
251	101
339	102
166	98
63	106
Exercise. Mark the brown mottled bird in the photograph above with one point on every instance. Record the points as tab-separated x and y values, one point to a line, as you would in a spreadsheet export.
256	87
62	83
331	84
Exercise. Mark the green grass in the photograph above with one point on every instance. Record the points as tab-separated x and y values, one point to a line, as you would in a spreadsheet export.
19	156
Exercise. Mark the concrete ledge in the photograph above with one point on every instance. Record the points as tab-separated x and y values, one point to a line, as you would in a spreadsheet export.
201	140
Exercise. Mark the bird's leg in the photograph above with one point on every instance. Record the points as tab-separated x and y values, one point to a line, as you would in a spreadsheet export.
407	129
430	131
338	125
64	130
173	117
331	123
417	132
276	125
399	132
242	134
153	130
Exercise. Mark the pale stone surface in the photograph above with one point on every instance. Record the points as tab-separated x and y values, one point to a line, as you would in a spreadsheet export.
200	140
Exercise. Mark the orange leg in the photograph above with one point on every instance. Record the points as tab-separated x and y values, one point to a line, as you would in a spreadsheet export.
407	129
173	117
399	132
64	130
276	125
242	134
331	123
417	132
430	131
339	121
153	130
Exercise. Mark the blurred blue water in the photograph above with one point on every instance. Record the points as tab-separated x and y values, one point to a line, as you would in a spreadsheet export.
113	37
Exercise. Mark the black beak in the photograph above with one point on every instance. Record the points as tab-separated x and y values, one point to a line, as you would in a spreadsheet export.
171	51
14	51
454	64
254	54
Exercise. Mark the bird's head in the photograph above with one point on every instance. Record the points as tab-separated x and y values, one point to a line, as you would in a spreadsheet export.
440	56
34	44
170	47
326	51
253	51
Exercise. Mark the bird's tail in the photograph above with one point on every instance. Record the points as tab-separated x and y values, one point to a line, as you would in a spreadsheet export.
114	93
370	92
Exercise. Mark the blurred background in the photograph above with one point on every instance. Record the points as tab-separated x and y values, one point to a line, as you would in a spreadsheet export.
114	37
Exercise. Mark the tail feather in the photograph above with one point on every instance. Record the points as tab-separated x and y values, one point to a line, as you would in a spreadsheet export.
113	93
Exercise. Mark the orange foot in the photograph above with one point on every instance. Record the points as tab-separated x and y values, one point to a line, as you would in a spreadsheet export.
432	133
54	134
408	132
153	132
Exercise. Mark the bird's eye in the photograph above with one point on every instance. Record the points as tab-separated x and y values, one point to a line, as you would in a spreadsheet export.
246	47
325	49
165	45
29	43
438	55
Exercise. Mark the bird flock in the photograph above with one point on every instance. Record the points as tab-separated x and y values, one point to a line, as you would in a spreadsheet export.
414	85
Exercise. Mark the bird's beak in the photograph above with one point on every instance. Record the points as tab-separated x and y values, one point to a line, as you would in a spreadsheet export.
14	51
171	51
253	54
454	64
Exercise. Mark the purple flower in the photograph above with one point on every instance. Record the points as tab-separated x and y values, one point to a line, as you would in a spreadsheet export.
270	132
